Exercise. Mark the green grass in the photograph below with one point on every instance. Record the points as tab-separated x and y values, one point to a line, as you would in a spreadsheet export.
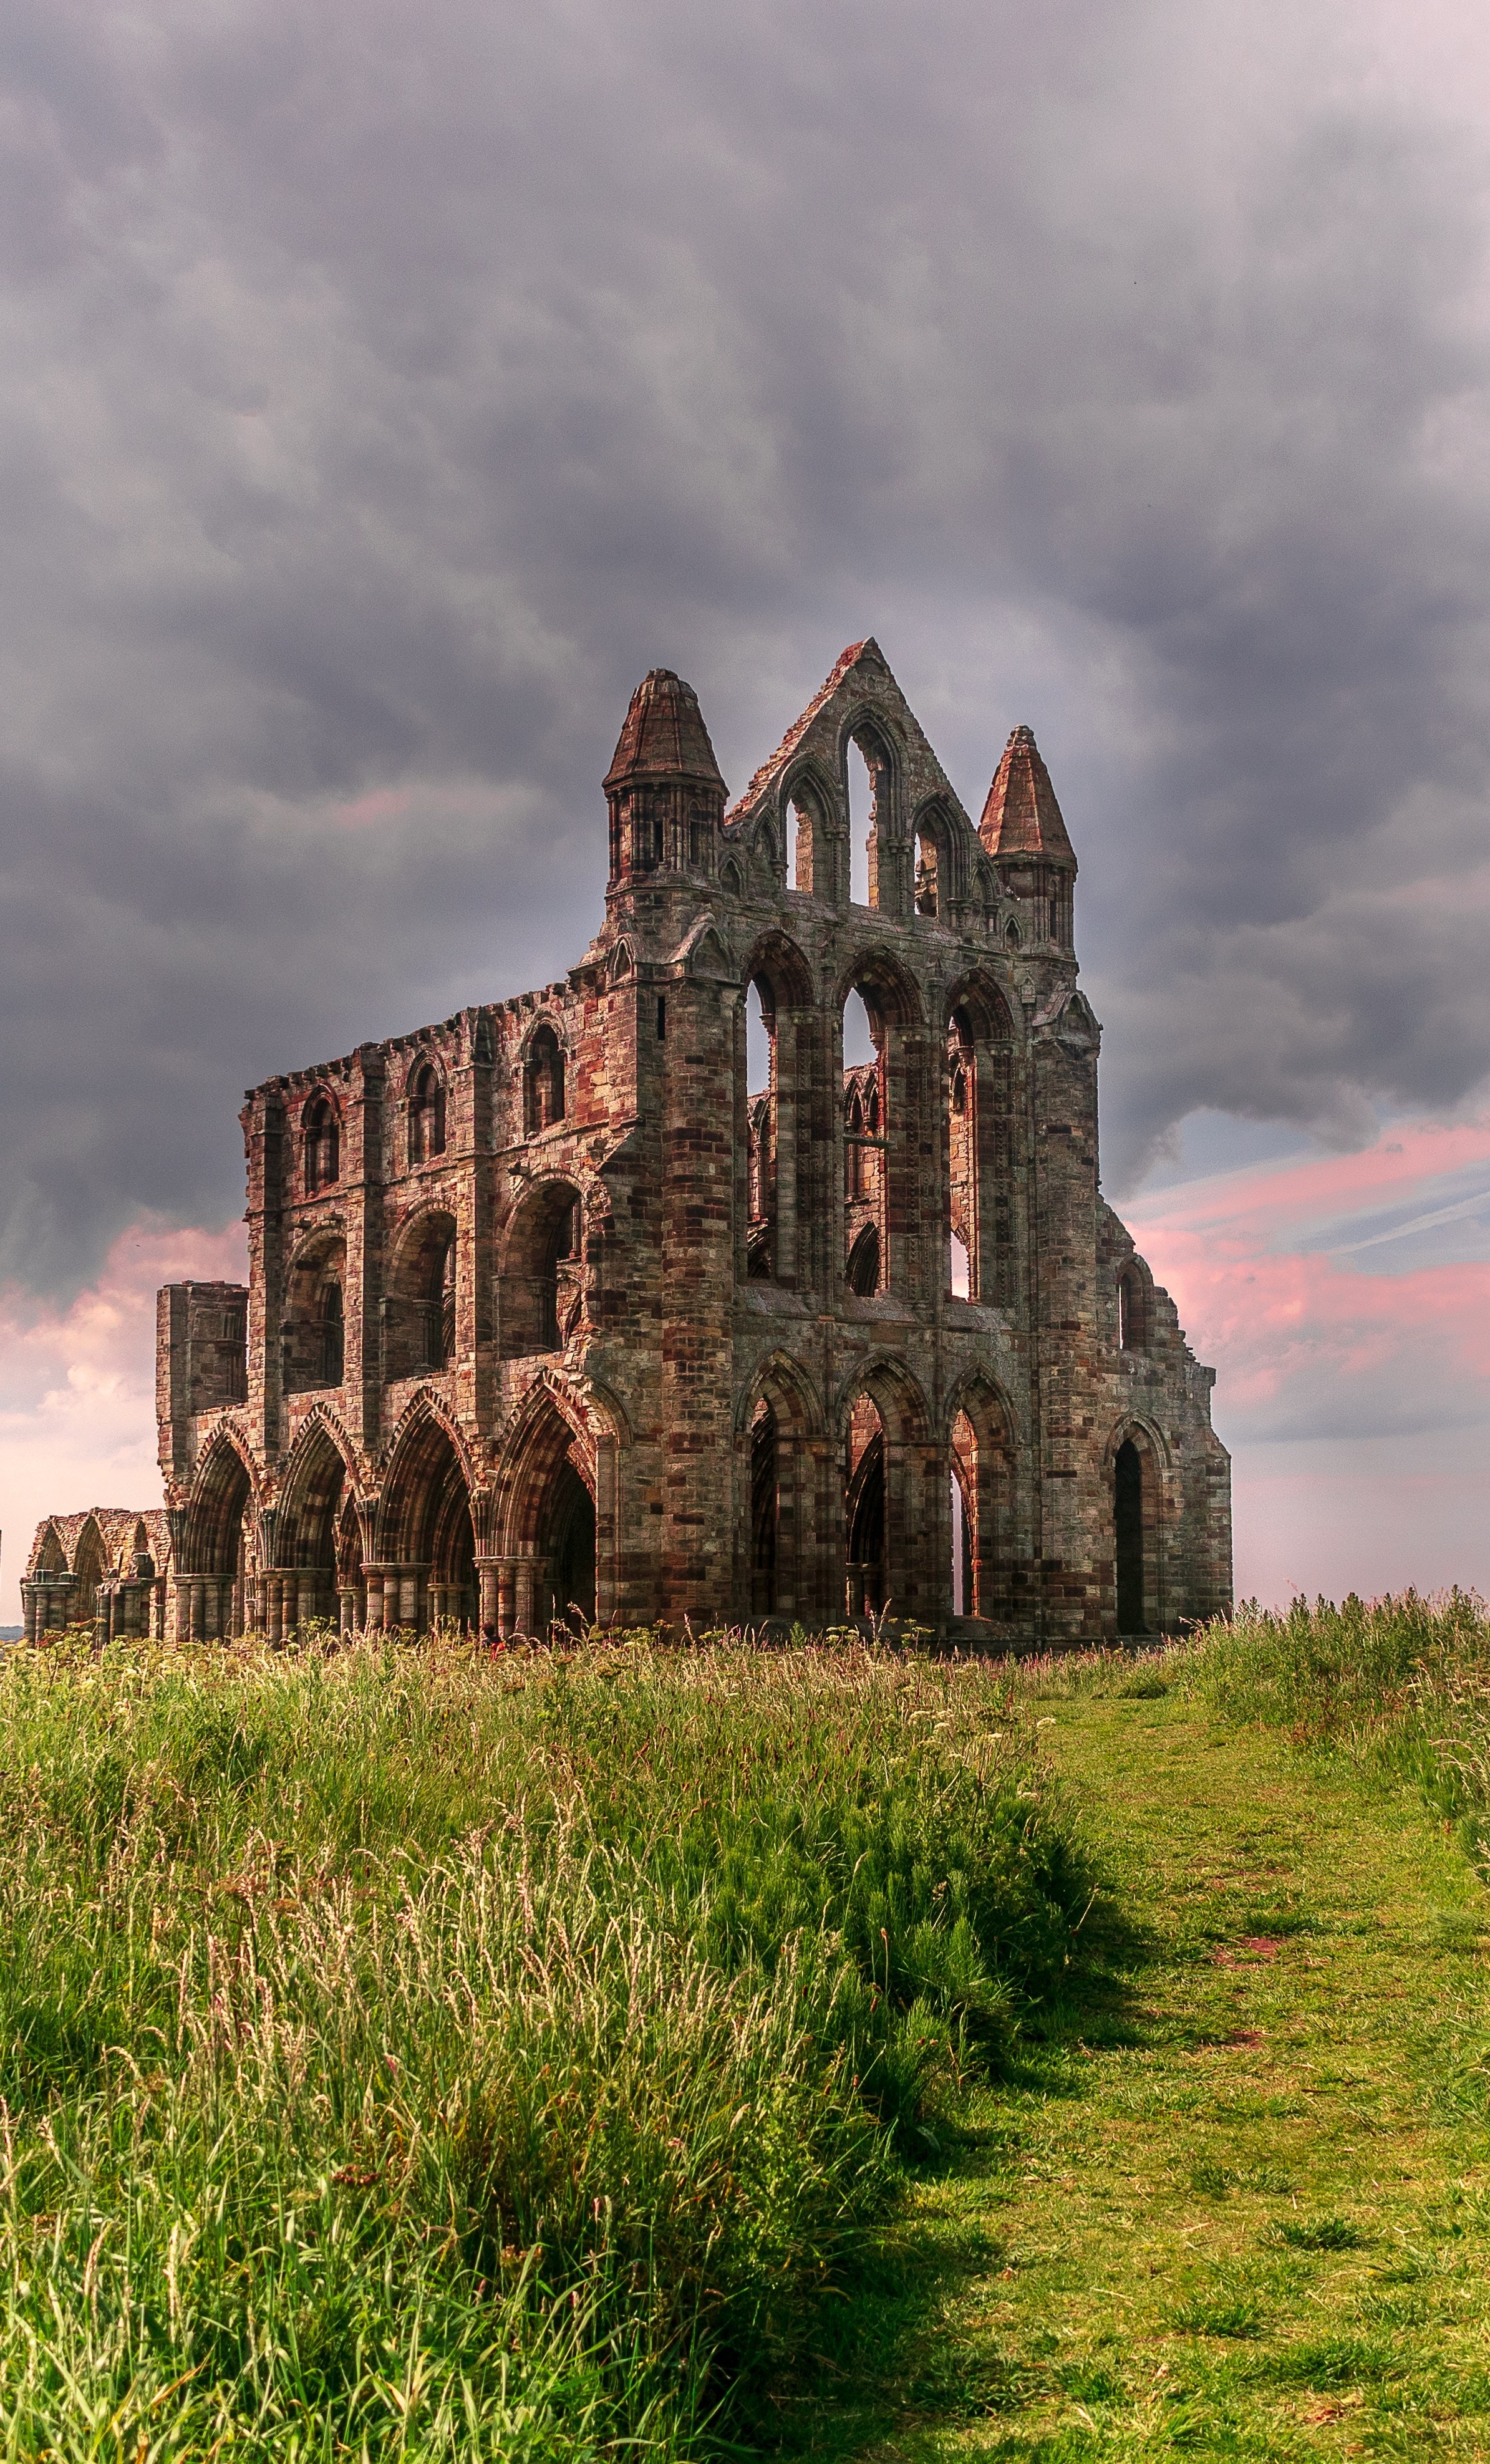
1237	2203
404	2054
819	2054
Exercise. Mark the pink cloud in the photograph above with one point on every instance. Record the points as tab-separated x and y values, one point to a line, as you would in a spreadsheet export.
78	1420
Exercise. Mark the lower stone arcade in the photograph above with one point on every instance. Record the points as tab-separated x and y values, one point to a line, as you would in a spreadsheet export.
756	1271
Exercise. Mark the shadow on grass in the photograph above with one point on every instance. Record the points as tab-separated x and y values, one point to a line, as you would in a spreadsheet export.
896	2356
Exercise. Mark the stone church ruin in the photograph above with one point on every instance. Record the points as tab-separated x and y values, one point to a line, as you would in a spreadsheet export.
637	1297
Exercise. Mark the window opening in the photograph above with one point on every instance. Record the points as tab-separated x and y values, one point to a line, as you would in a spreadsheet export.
545	1081
1011	935
864	1264
962	1177
861	825
1128	1516
425	1115
865	1510
926	876
322	1145
1131	1313
864	1149
807	850
764	1509
965	1601
761	1061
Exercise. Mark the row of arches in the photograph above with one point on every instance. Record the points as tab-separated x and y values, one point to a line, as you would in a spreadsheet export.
407	1556
543	1066
849	839
833	1521
889	1083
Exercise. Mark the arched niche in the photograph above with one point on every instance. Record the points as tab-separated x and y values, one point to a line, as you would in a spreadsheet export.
420	1322
541	1286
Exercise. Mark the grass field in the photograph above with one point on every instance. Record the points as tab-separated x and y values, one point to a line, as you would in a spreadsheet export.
408	2054
649	2054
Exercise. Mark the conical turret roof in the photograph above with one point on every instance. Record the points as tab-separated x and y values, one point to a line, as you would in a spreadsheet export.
1022	816
664	735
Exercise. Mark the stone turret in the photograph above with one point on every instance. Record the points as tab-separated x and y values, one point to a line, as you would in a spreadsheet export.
1024	832
663	788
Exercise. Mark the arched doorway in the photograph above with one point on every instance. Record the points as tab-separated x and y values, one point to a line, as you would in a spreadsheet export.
568	1548
211	1586
548	1552
427	1571
310	1531
764	1509
865	1547
1132	1606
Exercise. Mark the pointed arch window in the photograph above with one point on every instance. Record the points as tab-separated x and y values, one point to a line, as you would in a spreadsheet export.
545	1091
425	1115
321	1134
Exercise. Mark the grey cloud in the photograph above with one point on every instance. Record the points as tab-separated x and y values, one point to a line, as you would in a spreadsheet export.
386	390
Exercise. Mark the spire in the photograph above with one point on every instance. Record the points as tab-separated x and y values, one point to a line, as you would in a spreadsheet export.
664	736
1021	817
663	788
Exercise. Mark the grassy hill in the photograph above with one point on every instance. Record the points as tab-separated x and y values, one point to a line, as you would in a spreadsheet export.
408	2054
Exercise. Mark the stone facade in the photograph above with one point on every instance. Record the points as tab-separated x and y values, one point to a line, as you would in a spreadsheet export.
550	1306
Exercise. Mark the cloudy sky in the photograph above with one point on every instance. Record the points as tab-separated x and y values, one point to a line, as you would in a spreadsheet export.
383	391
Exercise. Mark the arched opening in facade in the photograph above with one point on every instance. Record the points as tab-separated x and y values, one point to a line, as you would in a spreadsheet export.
981	1499
211	1588
865	1519
313	1329
864	1145
425	1115
1011	935
549	1552
88	1571
1133	1311
764	1509
809	847
929	870
869	773
863	1262
427	1577
879	1161
320	1133
983	1147
316	1495
962	1157
544	1079
420	1326
761	1085
1137	1518
540	1291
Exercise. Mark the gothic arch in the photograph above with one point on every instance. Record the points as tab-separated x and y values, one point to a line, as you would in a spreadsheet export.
224	1497
321	1477
1137	1462
982	1452
540	1268
554	1506
422	1293
424	1522
780	1456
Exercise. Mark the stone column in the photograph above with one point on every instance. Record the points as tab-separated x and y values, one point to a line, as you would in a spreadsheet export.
274	1610
347	1608
372	1614
487	1583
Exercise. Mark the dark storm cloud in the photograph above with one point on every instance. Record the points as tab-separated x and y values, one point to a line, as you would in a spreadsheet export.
387	390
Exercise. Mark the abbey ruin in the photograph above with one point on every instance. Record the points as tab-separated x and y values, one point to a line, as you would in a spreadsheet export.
564	1308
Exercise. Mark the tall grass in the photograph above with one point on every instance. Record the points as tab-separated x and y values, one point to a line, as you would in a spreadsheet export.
1399	1686
404	2054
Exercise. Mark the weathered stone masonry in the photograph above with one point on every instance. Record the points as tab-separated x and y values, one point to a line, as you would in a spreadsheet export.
549	1307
